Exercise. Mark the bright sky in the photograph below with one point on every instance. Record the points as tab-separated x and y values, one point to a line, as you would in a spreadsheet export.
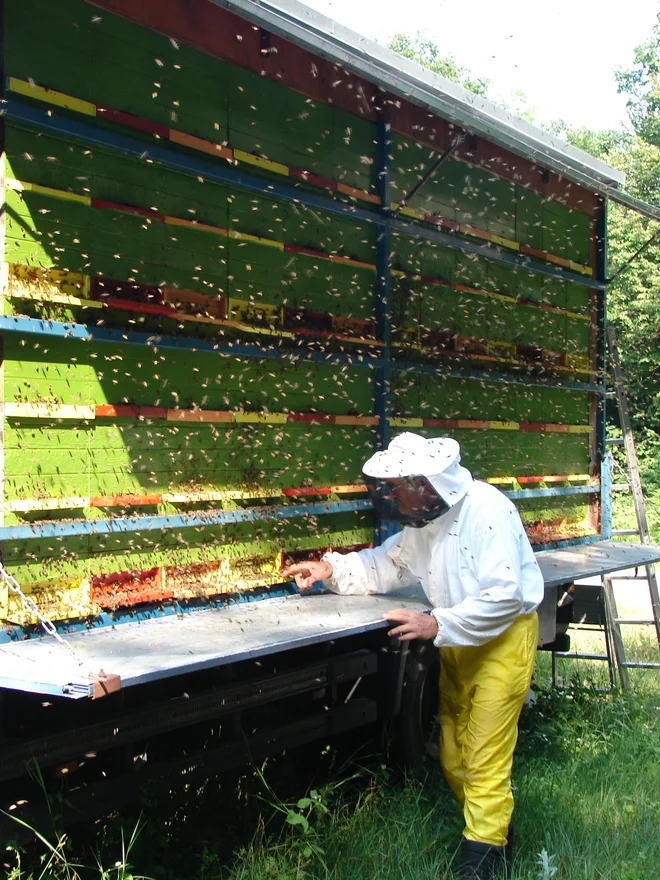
561	53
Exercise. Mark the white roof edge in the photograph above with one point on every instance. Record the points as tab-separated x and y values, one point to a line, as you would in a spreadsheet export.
407	79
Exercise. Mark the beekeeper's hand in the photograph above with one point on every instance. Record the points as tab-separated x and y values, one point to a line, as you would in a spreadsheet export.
412	625
305	574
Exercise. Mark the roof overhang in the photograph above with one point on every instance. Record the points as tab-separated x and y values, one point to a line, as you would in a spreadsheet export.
404	78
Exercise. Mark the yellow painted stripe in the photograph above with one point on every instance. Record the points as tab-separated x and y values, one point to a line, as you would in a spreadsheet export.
193	224
59	99
60	281
198	415
222	495
47	297
48	411
505	242
407	423
409	212
579	429
27	505
258	162
578	361
578	267
262	331
257	239
259	418
22	186
244	310
504	426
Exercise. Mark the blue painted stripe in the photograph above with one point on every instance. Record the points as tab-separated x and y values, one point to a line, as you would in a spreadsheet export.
36	326
519	494
569	542
83	332
99	137
141	613
61	126
495	378
492	252
62	528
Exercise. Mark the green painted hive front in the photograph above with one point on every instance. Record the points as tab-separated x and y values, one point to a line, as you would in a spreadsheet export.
210	338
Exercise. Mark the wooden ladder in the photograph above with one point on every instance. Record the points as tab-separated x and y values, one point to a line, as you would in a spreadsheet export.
633	484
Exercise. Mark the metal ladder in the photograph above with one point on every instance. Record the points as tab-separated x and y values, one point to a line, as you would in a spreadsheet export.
611	623
634	485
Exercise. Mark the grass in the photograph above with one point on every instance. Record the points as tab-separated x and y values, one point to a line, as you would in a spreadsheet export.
587	783
586	779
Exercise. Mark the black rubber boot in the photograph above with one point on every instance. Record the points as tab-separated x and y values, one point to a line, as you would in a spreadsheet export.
481	861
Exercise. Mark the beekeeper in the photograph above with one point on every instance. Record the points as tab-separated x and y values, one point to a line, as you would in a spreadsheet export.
463	540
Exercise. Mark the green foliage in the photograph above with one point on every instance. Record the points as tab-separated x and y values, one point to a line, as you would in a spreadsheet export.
427	53
642	84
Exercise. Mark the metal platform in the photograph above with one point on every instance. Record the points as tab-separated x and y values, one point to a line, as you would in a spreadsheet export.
147	650
590	560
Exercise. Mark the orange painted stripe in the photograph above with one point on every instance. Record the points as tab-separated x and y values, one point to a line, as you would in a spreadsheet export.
123	500
357	193
200	144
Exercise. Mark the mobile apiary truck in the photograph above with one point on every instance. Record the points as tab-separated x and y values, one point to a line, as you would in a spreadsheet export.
242	248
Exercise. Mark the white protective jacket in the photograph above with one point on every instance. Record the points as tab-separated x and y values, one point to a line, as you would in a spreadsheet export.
474	563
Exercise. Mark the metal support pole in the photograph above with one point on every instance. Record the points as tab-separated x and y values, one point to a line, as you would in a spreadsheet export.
601	513
383	304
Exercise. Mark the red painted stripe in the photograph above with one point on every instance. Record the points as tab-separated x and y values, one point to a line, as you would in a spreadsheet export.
127	209
441	423
314	179
312	418
524	480
133	121
294	249
529	251
129	305
124	410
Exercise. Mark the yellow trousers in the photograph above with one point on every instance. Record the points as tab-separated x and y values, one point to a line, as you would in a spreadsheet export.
482	691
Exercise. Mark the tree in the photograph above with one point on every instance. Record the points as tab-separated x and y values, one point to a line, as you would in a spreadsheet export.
642	84
427	53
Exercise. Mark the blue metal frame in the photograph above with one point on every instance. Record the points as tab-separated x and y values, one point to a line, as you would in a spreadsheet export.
52	123
115	525
139	613
85	333
488	376
518	494
601	358
383	309
197	519
492	252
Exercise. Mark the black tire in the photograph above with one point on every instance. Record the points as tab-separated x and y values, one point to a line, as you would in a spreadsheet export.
418	728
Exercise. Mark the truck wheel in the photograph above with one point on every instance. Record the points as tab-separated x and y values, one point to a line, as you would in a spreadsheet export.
418	720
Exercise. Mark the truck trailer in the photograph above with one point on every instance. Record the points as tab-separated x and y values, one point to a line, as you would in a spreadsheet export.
242	248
